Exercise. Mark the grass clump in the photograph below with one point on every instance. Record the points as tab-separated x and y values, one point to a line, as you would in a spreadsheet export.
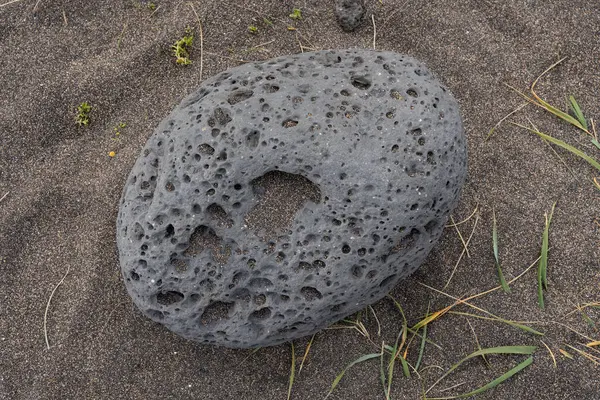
296	14
83	114
182	47
253	29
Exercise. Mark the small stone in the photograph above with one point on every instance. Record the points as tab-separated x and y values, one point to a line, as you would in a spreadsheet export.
282	196
350	13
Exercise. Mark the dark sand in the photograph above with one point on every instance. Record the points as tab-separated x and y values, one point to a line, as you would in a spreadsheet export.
64	190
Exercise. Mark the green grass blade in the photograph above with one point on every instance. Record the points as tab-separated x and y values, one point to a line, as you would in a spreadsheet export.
382	376
596	143
423	342
564	145
338	378
491	384
577	111
492	350
543	264
525	328
495	247
292	372
404	366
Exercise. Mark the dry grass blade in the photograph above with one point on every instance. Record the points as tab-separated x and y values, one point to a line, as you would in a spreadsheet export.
201	39
543	265
433	316
9	2
551	354
463	251
252	352
361	359
495	248
305	356
564	145
594	343
376	320
487	364
553	110
292	373
548	107
48	306
515	324
492	384
460	236
491	132
3	197
592	358
374	30
466	219
566	354
466	302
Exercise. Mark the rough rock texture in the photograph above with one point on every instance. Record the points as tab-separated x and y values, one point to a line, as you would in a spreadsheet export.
350	13
284	195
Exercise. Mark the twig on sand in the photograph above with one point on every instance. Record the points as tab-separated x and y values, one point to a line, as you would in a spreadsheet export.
262	45
3	197
154	12
299	43
48	306
397	10
201	39
240	60
65	17
37	3
8	2
374	30
120	39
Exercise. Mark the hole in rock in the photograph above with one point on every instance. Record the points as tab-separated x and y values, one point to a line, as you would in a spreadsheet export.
431	225
280	196
407	242
205	148
288	123
215	312
310	293
218	214
260	283
360	82
204	238
387	281
271	88
252	139
222	116
168	298
260	315
239	95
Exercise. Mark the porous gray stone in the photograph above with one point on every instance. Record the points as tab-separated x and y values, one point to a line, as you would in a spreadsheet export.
282	196
350	13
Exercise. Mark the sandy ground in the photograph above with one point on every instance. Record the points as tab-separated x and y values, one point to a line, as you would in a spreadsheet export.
63	192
